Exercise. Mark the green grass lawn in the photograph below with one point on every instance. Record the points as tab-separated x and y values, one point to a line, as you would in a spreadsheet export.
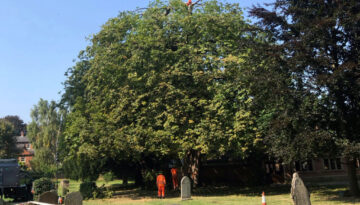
75	185
277	195
278	199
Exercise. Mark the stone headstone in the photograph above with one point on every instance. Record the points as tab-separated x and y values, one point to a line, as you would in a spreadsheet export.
299	193
2	202
65	183
185	188
49	197
74	198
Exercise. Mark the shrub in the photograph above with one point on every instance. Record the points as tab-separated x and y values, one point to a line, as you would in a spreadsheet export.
88	190
42	185
108	193
149	177
109	176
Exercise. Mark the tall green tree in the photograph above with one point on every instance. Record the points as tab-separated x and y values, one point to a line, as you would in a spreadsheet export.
7	140
318	42
160	83
75	84
19	125
45	134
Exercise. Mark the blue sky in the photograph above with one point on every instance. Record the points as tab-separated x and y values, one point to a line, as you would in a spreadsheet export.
39	39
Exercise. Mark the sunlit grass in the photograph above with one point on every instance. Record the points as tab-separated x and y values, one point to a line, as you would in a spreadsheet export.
280	195
281	199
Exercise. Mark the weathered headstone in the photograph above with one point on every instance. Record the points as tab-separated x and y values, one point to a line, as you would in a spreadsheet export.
2	202
49	197
299	193
74	198
65	183
185	188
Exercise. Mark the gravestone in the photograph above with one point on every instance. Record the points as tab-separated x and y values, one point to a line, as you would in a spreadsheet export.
299	193
74	198
64	186
65	183
49	197
185	188
2	202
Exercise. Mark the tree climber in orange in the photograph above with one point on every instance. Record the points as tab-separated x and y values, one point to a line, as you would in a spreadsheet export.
161	182
190	4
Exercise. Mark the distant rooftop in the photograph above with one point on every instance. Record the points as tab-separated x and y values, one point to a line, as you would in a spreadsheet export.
8	162
22	139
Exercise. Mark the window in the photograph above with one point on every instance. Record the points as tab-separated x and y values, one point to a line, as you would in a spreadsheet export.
338	163
267	168
357	163
1	176
304	165
22	159
332	164
27	146
274	167
277	167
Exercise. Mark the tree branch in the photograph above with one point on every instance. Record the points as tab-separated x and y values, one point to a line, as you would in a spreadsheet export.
198	1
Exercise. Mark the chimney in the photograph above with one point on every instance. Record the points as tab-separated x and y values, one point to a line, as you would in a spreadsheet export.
22	133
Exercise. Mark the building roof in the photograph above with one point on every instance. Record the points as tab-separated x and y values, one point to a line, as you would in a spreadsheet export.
8	162
29	152
22	139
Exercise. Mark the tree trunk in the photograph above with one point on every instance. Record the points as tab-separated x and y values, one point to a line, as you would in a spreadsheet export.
351	171
125	180
139	181
191	166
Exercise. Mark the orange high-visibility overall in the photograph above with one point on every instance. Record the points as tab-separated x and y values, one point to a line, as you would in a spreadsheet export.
189	3
174	178
161	182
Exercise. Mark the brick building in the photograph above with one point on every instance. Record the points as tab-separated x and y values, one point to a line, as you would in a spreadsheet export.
316	171
27	151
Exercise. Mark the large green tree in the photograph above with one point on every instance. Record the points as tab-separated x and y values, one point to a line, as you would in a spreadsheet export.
45	134
318	45
163	82
7	140
19	125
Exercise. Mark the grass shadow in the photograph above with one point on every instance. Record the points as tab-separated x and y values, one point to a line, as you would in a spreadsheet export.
137	193
246	191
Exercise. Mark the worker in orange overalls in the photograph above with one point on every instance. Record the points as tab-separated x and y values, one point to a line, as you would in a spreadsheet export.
161	182
188	3
174	178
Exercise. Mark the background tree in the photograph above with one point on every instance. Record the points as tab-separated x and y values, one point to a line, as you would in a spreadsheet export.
45	134
75	83
318	43
7	140
19	125
160	84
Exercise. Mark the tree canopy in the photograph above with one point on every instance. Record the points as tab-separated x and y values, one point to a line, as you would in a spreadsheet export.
193	82
45	134
317	43
19	125
164	82
7	140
